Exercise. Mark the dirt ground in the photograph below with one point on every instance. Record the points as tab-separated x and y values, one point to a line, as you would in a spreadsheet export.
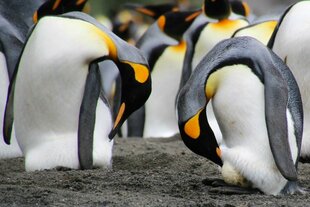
146	172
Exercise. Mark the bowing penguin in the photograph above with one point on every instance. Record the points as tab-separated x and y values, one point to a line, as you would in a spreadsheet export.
203	35
61	118
291	43
16	19
164	49
258	107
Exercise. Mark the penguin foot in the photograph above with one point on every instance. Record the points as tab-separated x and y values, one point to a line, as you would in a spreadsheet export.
61	168
232	190
292	187
219	186
214	182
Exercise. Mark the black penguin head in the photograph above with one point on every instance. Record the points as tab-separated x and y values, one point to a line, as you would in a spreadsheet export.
240	8
154	11
123	30
217	9
174	24
55	7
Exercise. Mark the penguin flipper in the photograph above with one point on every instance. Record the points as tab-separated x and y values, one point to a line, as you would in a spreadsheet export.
276	101
9	113
87	117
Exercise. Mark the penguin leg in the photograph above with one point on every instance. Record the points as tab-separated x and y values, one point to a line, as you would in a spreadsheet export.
292	187
219	186
87	117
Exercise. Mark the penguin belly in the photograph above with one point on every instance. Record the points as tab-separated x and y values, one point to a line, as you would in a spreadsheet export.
160	118
292	46
12	150
48	94
212	34
239	107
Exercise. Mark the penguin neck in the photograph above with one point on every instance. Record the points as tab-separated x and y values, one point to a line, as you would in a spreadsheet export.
180	47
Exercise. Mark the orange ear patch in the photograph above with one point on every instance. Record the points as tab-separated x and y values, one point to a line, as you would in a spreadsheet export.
246	8
192	128
161	22
119	115
56	4
35	17
218	152
141	71
146	11
79	2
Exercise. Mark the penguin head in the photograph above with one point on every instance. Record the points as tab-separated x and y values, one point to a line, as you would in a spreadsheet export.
55	7
123	30
154	11
136	88
174	24
240	8
217	9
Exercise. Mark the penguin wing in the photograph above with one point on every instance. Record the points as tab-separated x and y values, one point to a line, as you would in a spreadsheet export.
9	114
276	102
133	67
87	116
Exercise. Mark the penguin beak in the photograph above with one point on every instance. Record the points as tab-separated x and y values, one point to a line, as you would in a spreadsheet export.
136	88
140	9
193	16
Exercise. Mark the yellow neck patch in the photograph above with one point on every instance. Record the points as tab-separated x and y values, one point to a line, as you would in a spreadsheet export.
119	115
227	24
108	40
141	71
192	128
181	47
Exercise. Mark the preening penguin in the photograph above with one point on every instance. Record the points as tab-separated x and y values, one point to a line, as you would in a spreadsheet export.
60	116
258	106
291	43
164	49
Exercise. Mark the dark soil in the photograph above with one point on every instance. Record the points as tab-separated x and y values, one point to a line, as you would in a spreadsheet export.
146	172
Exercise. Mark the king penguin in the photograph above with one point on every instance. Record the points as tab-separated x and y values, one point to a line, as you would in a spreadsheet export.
257	104
16	20
61	118
291	43
203	35
164	49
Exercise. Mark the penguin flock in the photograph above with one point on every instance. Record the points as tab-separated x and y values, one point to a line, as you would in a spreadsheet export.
234	88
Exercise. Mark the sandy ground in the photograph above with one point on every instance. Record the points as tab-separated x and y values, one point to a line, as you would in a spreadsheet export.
146	172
